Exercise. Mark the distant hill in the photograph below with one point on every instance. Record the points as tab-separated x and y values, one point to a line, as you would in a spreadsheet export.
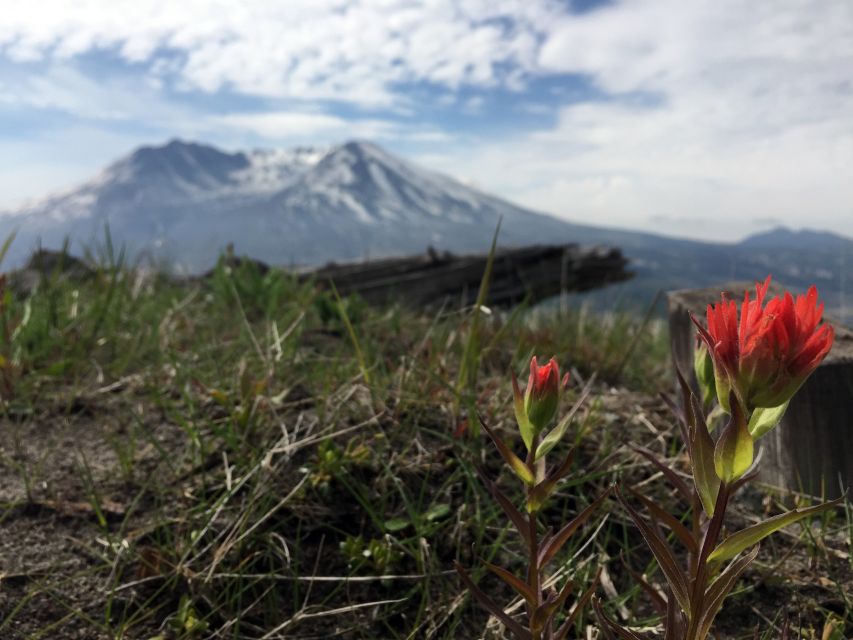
181	203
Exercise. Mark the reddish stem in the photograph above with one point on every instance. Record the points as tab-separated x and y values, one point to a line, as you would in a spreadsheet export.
533	569
700	575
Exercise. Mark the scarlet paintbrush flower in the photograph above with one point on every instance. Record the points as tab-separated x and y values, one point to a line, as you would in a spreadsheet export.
542	396
766	354
537	407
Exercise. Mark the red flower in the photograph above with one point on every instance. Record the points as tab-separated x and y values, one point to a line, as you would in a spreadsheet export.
543	393
769	352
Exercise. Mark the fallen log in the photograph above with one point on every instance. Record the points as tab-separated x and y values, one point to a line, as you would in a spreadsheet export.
530	273
812	448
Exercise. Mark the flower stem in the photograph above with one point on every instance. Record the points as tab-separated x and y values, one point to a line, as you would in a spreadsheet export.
700	577
533	570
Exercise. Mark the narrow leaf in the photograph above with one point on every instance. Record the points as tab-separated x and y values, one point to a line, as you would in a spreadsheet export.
610	627
6	244
509	509
556	434
739	541
548	551
658	601
668	564
542	491
521	587
489	605
675	623
679	416
545	612
525	428
673	523
471	357
524	473
686	394
670	474
580	605
702	456
721	588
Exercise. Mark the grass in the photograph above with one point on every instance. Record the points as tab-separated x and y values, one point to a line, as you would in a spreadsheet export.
248	456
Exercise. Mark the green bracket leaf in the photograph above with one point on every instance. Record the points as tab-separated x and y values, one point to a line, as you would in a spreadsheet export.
763	419
734	452
520	468
528	433
745	538
702	454
556	434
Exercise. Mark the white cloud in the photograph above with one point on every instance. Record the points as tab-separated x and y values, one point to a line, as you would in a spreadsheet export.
725	111
307	49
62	87
295	125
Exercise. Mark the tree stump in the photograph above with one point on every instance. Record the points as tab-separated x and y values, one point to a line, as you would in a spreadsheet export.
811	450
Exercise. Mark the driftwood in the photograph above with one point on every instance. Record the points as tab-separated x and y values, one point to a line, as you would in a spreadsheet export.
45	263
812	449
531	273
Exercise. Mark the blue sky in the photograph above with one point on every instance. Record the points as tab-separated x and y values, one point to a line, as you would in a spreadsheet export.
708	118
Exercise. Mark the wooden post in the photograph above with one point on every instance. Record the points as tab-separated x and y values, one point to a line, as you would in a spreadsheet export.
812	449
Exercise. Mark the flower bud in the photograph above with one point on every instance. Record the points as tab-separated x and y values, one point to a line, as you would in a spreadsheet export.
542	396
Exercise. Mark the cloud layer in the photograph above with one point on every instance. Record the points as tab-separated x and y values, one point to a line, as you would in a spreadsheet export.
707	117
306	49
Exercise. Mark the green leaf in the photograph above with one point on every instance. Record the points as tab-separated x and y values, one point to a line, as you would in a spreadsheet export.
703	367
556	434
702	456
745	538
520	468
721	588
437	512
734	452
542	491
396	524
763	419
525	428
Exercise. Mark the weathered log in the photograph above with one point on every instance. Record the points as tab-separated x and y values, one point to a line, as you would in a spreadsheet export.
530	273
812	448
46	263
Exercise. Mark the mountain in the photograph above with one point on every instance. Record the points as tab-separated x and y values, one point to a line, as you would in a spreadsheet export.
784	238
183	202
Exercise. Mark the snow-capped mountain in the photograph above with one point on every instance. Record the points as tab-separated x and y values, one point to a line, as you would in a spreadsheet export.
184	202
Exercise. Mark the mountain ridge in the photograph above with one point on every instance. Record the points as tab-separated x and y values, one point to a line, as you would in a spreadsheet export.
182	202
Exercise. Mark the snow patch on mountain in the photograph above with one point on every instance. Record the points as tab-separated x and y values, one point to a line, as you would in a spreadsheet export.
185	201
